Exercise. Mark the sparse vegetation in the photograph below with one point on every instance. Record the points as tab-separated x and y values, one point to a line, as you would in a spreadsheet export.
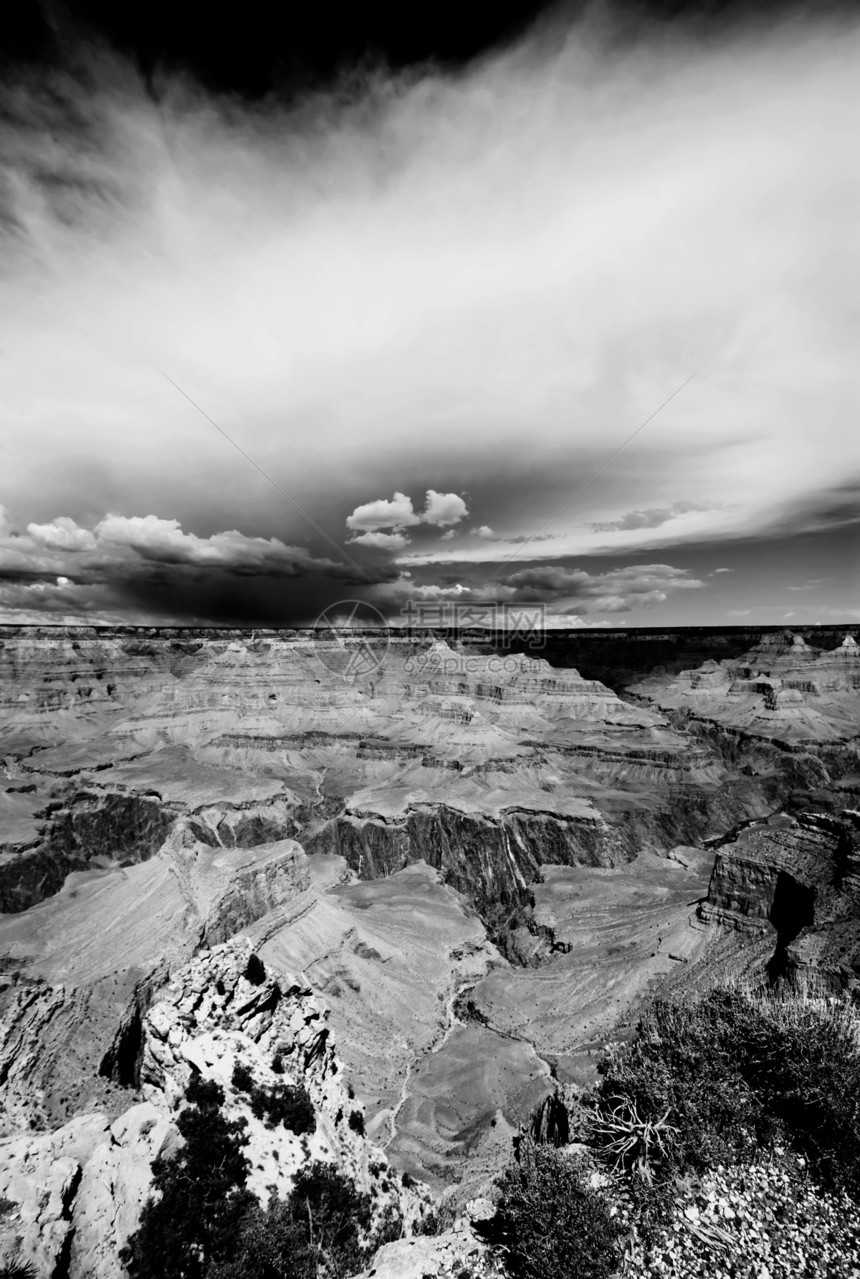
707	1084
316	1232
713	1080
288	1104
202	1223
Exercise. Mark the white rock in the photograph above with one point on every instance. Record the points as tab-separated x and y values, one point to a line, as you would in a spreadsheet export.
116	1182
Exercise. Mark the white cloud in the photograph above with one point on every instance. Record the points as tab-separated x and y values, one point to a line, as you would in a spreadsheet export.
404	591
381	541
444	509
449	536
62	534
385	513
483	530
164	542
64	603
380	525
120	544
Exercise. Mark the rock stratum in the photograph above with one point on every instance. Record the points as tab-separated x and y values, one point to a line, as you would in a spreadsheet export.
463	869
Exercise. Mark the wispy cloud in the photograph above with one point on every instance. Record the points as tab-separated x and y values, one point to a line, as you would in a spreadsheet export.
651	518
567	592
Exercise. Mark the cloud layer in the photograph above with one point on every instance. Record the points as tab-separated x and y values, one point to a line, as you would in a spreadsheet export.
473	285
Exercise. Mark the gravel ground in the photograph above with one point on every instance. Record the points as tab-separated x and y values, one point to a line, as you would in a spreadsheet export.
767	1220
761	1221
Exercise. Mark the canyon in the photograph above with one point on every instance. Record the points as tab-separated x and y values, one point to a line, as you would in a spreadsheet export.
469	859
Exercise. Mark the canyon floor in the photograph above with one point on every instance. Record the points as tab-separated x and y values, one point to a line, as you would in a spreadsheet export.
480	863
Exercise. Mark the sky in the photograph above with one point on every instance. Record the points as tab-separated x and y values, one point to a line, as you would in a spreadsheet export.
557	310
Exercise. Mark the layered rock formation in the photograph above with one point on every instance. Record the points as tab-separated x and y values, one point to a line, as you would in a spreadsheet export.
465	869
794	881
428	754
782	688
81	968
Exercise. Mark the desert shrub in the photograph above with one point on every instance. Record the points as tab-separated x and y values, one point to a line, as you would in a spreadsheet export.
200	1199
18	1270
316	1232
549	1224
333	1216
806	1071
269	1245
388	1228
278	1064
680	1070
287	1104
437	1219
242	1078
720	1076
356	1122
255	970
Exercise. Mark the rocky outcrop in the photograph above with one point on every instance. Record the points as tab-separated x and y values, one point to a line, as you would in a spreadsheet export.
73	1196
454	1253
115	1183
40	1176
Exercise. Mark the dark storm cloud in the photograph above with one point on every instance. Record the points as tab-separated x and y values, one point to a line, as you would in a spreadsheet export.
152	567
